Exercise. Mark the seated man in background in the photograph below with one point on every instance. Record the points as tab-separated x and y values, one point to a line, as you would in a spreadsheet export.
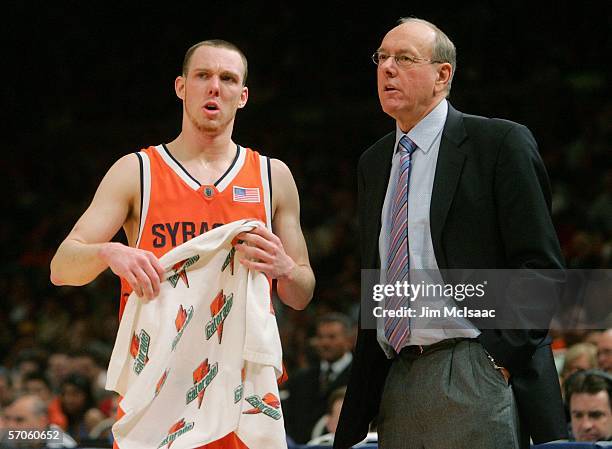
604	351
27	426
307	391
589	398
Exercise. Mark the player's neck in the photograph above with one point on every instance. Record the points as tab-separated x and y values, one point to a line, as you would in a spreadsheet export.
207	147
204	162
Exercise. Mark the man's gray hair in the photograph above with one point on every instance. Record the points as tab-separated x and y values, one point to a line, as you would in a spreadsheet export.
36	405
443	48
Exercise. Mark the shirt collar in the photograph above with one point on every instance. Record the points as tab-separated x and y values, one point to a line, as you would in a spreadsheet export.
339	365
425	132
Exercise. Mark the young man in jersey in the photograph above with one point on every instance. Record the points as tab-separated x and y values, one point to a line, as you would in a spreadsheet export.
200	180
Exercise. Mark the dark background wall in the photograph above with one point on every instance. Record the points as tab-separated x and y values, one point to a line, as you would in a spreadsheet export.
86	82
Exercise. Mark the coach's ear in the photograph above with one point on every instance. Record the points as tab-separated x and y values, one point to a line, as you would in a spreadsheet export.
444	75
179	87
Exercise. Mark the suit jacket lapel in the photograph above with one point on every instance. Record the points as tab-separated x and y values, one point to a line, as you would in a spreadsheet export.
376	172
448	171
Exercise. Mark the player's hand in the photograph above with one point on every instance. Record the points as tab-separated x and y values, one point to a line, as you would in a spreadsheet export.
263	251
140	268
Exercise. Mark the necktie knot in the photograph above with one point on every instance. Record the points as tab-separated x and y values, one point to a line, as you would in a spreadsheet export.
406	145
326	377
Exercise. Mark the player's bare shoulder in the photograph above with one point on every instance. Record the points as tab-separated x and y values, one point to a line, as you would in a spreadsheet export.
126	167
121	187
123	178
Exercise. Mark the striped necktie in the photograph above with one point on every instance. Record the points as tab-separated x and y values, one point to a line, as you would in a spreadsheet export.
397	329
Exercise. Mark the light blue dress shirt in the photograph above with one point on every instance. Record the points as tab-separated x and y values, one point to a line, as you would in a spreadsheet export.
427	135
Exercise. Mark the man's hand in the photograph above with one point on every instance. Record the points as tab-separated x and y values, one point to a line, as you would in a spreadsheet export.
263	251
505	373
140	268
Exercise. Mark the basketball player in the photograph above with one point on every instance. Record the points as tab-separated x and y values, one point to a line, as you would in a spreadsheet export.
165	195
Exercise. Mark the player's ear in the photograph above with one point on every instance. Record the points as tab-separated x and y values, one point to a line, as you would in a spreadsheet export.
244	96
179	87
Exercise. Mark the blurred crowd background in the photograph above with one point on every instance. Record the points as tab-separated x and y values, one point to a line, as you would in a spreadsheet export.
87	86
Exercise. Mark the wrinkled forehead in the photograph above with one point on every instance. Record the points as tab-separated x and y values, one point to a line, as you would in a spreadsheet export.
19	410
330	328
217	58
410	38
590	402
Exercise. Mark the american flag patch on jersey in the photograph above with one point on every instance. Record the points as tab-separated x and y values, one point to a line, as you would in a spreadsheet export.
246	194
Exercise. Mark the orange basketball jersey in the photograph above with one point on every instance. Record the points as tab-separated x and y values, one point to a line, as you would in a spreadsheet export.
175	207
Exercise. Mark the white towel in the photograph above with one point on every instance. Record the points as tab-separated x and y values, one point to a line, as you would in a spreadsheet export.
200	360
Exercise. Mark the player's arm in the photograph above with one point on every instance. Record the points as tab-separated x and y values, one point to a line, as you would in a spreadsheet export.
282	255
87	250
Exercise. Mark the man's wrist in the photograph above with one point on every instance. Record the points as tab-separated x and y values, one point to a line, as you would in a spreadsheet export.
289	275
105	249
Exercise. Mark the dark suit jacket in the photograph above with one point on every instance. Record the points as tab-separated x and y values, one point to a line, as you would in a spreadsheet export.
307	402
489	209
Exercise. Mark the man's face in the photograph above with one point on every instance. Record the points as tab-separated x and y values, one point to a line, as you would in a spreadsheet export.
6	393
604	351
407	93
59	366
38	388
332	342
73	399
591	416
20	416
85	366
212	89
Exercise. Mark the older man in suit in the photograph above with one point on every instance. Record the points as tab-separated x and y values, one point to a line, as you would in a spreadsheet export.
448	190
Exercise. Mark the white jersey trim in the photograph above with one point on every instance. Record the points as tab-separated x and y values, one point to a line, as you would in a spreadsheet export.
176	168
145	194
266	176
230	175
225	180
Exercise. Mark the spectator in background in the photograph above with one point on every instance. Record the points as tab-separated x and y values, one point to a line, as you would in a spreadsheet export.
604	351
6	387
88	363
59	365
593	336
37	384
29	413
31	360
78	405
308	390
329	421
2	423
589	398
579	357
92	363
